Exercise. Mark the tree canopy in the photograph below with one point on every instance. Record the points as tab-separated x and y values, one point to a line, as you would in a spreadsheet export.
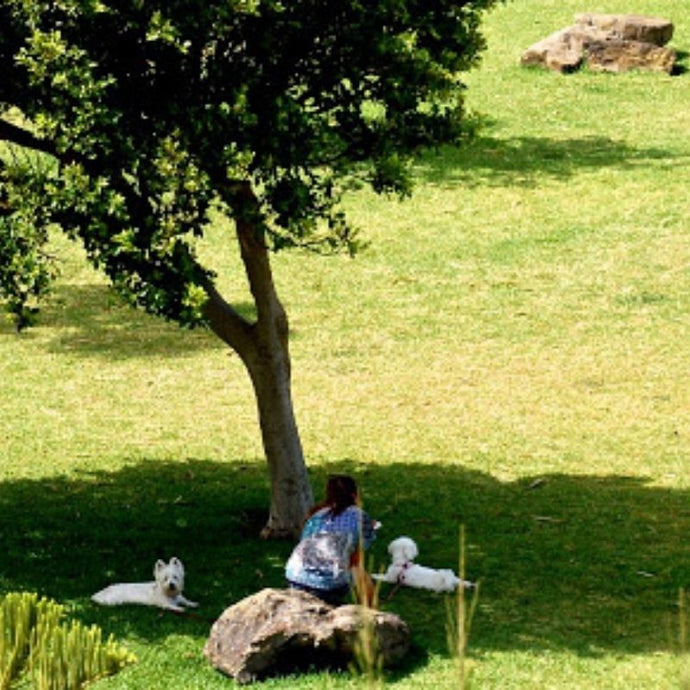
125	122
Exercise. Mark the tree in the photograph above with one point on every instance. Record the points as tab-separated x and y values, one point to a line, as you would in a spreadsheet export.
125	122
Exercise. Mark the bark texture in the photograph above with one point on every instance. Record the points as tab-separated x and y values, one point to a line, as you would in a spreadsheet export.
263	346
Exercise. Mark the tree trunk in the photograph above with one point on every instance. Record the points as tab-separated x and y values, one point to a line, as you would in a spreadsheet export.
263	347
291	494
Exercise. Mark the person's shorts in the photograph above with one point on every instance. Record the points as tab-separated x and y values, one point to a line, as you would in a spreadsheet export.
334	597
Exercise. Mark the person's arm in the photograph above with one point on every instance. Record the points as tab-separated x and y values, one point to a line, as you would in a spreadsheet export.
312	526
368	530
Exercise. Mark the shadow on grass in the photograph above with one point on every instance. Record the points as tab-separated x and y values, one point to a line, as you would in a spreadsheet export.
681	66
583	563
92	320
523	161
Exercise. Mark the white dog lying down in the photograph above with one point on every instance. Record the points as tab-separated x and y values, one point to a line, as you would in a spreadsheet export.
403	571
165	591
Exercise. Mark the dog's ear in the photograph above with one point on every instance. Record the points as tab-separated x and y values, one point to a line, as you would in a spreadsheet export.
175	562
158	567
395	550
410	549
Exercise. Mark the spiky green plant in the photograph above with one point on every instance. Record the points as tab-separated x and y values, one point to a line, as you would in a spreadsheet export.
36	642
16	622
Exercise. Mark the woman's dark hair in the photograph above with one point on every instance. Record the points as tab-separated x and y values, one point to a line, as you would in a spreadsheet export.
341	493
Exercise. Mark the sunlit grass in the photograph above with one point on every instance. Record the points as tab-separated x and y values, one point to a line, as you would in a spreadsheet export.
510	354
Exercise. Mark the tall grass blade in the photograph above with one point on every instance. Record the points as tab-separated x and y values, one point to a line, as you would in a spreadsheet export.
459	617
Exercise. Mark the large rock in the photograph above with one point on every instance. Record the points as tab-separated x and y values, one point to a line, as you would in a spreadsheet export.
606	42
562	51
631	27
280	631
623	55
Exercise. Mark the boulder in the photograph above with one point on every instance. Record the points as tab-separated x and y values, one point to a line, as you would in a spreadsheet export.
562	51
631	27
623	55
606	42
284	630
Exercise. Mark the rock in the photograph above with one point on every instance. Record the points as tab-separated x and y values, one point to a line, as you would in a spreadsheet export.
280	631
562	51
607	42
624	55
632	27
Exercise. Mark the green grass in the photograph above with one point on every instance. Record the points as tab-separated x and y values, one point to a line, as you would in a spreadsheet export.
509	354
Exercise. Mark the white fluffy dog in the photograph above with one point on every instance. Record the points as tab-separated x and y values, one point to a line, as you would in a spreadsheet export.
403	570
165	591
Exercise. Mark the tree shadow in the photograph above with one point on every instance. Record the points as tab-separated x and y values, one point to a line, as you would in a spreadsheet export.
588	564
92	320
524	161
681	66
67	537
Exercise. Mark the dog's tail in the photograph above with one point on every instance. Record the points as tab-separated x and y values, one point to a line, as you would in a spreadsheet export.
103	597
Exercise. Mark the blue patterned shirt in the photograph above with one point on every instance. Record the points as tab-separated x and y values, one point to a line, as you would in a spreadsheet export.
322	558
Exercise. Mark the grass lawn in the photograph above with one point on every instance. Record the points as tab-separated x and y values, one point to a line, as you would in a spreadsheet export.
510	354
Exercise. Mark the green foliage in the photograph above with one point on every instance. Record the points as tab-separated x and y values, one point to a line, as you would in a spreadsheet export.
36	643
26	267
159	111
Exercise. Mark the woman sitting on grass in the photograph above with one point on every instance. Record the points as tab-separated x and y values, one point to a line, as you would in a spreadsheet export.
327	561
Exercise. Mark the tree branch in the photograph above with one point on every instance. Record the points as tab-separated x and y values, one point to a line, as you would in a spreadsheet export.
22	137
254	252
233	329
